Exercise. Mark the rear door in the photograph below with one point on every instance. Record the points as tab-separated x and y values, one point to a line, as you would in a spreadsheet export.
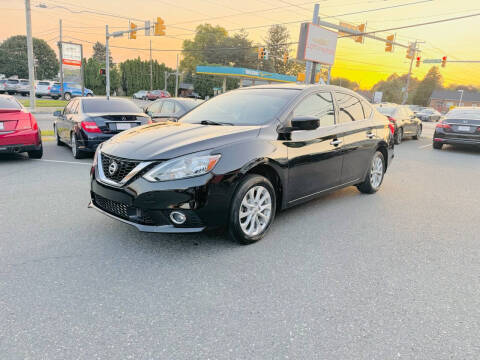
315	161
70	118
62	127
359	136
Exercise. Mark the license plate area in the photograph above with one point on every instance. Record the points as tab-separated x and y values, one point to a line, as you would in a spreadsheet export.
1	126
463	128
121	125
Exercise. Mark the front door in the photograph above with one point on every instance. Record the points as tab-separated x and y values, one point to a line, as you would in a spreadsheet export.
314	156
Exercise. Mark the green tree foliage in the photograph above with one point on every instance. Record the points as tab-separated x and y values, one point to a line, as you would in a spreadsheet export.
99	51
346	83
392	88
204	84
96	82
213	45
276	42
431	81
13	58
136	76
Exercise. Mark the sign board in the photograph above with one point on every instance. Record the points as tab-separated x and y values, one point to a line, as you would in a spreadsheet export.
71	62
317	44
377	97
432	61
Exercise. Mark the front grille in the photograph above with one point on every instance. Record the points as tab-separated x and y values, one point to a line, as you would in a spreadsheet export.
124	167
123	211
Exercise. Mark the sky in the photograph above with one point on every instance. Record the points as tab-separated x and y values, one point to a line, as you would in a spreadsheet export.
365	63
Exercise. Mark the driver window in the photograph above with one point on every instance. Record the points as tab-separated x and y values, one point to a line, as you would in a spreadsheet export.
319	105
168	107
155	107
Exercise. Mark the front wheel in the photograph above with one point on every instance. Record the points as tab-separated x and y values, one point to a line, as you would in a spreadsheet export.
252	210
67	96
418	134
375	174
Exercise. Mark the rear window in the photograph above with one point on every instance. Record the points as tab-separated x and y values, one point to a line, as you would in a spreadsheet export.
112	105
464	114
24	82
9	103
389	111
190	103
44	83
12	81
3	81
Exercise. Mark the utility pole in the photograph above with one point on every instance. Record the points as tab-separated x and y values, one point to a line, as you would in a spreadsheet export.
310	65
107	64
60	51
176	79
31	65
151	67
414	55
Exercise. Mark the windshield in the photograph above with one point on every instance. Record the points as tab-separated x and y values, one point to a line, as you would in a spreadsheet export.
190	103
112	105
242	107
464	114
389	111
9	103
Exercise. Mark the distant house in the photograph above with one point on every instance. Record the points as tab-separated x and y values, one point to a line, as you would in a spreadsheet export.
443	100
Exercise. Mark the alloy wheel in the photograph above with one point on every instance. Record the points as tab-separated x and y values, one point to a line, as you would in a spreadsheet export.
376	172
255	210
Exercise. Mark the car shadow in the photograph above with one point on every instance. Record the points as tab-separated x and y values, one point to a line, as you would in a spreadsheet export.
13	157
465	149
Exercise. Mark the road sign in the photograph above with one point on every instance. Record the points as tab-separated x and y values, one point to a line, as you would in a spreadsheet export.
432	61
317	44
71	62
377	97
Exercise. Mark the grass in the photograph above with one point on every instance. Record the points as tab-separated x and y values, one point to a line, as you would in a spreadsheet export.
45	103
47	133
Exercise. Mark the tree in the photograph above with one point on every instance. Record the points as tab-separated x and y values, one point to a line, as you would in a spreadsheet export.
346	83
14	60
431	81
277	45
392	88
96	82
99	52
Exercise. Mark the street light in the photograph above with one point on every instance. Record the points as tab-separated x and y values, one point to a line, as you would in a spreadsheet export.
461	96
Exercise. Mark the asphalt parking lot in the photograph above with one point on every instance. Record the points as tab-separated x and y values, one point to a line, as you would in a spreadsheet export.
346	276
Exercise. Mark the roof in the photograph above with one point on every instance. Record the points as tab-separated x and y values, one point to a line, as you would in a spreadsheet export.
455	95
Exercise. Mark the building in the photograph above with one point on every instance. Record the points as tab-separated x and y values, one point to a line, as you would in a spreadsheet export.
443	100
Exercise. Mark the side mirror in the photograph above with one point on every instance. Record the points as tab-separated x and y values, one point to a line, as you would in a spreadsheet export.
305	123
57	113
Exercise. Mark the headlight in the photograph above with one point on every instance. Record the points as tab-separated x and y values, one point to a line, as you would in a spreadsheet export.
95	159
183	167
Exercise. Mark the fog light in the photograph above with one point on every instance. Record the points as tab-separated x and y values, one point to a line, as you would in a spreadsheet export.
177	217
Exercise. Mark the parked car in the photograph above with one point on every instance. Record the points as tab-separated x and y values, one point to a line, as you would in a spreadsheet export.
241	156
404	120
140	95
416	108
157	94
70	90
429	114
11	86
86	122
43	87
3	83
19	130
23	87
461	126
171	109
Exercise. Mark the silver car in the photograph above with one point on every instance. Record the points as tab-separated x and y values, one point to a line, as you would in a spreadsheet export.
43	88
11	86
23	87
3	83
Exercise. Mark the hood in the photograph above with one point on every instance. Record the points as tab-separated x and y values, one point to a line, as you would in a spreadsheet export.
168	140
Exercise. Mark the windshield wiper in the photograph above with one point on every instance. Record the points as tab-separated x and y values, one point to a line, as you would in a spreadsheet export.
210	122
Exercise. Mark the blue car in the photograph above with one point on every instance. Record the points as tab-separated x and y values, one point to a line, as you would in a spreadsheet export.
70	90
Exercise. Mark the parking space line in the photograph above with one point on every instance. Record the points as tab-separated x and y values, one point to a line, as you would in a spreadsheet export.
425	146
64	162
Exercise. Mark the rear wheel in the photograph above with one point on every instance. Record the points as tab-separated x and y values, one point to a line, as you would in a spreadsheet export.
77	154
253	209
57	137
418	134
437	145
399	137
67	96
36	154
38	96
375	174
89	95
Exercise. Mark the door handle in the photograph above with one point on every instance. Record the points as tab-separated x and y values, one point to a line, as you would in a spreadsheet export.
336	142
370	135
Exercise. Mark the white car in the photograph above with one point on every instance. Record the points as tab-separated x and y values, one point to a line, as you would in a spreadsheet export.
23	87
42	88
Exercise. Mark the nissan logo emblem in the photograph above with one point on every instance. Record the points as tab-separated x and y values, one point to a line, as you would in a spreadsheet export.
113	167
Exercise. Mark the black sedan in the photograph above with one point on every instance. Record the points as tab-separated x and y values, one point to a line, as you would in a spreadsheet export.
461	126
404	121
86	122
171	109
429	114
240	157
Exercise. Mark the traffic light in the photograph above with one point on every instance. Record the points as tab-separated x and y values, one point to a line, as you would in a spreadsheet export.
411	51
262	53
133	33
444	61
159	27
389	43
285	58
102	72
418	61
360	28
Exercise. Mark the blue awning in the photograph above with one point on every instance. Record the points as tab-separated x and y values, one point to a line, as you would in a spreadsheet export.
244	73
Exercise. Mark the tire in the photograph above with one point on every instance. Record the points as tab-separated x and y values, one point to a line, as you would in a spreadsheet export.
39	96
36	154
55	97
437	145
399	136
89	95
57	137
241	229
418	135
67	96
375	175
77	154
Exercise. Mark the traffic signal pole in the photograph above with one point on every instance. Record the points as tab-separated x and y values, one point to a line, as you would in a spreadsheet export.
310	66
31	69
107	64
